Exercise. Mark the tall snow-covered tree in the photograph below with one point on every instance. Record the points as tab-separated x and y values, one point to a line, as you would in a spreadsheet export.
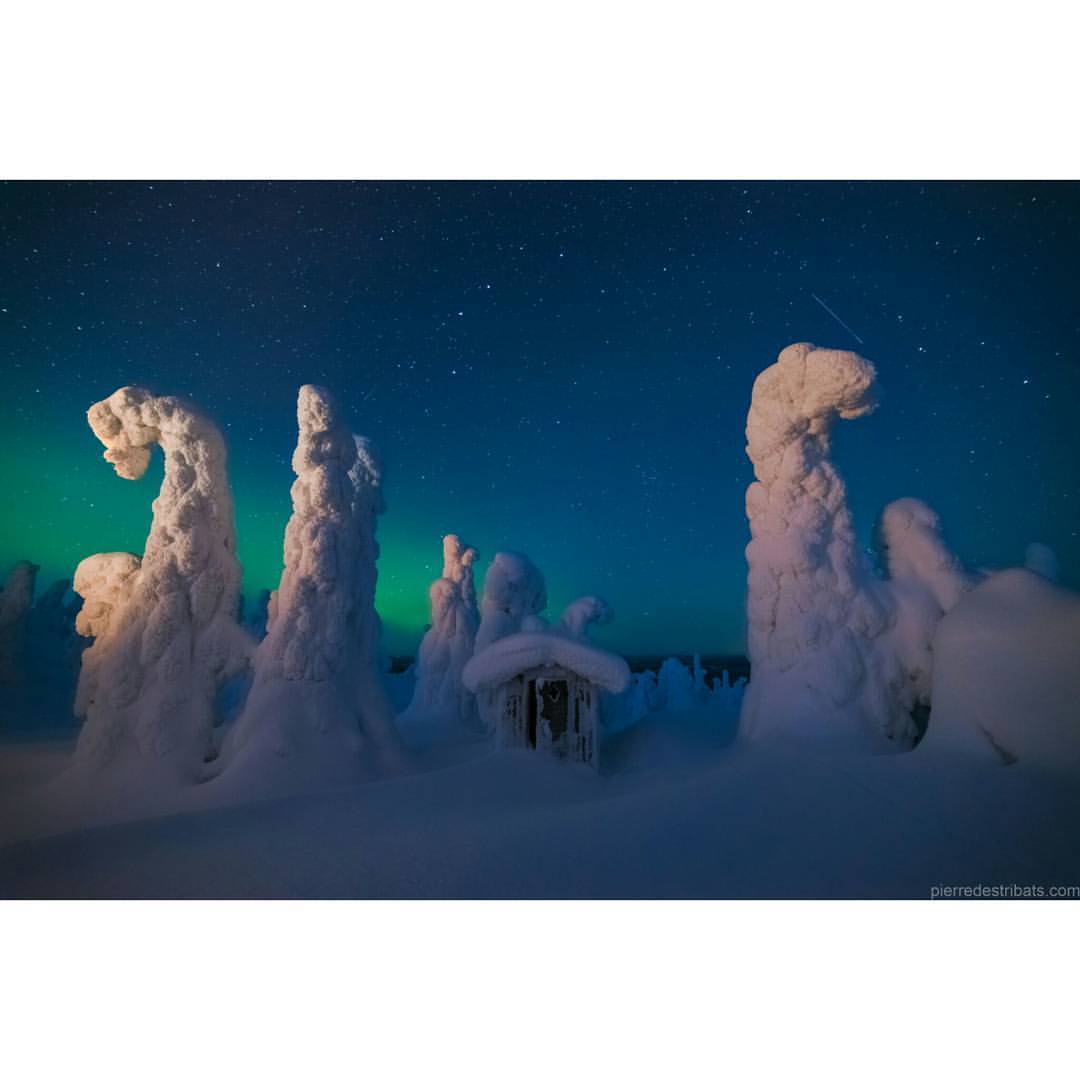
317	710
15	600
514	596
164	626
448	644
836	652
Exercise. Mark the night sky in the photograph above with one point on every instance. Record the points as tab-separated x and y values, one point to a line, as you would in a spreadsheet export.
559	369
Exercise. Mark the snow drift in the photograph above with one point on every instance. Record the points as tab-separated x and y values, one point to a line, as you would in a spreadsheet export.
1007	674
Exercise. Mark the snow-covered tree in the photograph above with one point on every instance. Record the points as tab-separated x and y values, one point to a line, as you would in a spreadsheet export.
675	685
925	580
164	626
54	646
448	644
317	710
1041	559
514	596
835	651
15	600
583	613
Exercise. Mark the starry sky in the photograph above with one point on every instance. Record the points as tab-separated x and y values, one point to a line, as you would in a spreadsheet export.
556	368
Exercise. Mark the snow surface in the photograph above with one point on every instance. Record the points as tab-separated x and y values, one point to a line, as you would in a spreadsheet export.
678	810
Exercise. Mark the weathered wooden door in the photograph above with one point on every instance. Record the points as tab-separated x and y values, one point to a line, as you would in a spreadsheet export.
555	706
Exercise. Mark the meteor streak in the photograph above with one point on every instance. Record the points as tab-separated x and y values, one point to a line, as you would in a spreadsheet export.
838	319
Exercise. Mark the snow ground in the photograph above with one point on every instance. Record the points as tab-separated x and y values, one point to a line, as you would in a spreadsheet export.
678	810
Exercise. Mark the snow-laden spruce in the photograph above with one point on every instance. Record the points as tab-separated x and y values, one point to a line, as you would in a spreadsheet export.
835	651
514	596
317	710
925	580
15	599
164	626
448	644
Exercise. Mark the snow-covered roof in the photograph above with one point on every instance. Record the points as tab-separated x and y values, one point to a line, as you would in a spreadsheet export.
510	656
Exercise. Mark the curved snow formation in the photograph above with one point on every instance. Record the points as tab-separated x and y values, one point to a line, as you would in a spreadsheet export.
1007	674
514	596
448	644
511	655
165	628
583	613
835	652
15	599
317	710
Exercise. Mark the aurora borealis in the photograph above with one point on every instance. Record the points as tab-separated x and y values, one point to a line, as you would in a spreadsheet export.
561	369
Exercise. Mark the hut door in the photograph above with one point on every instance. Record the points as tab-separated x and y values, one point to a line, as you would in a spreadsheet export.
554	706
530	713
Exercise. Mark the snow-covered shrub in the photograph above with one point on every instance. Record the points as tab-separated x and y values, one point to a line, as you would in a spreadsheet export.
15	600
514	596
836	652
164	626
1041	559
317	710
1007	674
448	644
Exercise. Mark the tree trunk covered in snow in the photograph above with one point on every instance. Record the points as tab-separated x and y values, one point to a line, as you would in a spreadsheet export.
317	709
165	628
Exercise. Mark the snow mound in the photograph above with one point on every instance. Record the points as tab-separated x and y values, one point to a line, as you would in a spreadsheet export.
509	656
1007	674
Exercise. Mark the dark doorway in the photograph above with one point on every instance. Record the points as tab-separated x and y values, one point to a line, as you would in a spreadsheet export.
555	707
530	713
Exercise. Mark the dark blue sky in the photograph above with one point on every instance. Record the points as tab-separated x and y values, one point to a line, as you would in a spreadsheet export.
562	369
